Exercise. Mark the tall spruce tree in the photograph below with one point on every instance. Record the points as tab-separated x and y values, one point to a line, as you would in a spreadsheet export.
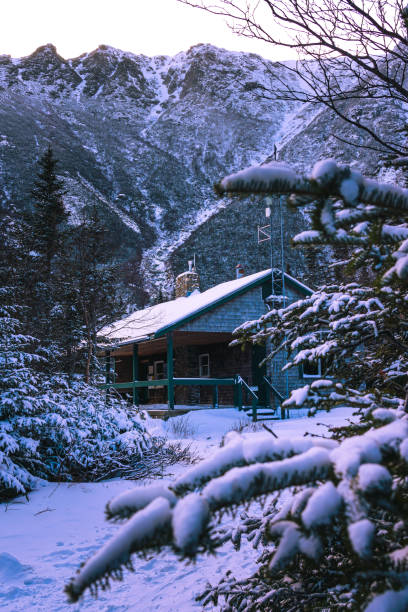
72	279
48	226
49	210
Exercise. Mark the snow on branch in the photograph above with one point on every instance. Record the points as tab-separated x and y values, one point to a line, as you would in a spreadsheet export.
141	531
241	484
129	502
240	452
327	179
343	204
390	601
269	178
400	268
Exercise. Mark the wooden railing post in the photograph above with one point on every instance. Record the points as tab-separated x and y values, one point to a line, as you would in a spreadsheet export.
239	392
254	411
235	392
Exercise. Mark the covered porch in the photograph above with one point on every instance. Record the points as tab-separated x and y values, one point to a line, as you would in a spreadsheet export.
190	368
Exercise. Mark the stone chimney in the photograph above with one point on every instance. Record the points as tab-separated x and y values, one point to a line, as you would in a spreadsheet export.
187	282
239	271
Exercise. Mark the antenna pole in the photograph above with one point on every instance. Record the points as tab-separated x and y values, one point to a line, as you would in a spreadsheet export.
282	250
268	214
271	257
283	285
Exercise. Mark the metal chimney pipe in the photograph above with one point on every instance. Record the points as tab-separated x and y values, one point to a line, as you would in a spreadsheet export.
239	271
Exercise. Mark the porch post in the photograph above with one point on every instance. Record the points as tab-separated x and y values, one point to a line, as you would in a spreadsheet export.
170	372
215	396
135	372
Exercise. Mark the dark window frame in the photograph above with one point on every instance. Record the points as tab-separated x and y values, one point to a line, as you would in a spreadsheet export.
201	365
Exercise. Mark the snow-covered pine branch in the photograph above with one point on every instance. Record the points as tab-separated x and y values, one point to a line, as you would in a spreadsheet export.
326	179
342	326
346	208
351	471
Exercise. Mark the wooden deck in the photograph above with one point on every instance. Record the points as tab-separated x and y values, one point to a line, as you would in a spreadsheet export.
157	413
165	413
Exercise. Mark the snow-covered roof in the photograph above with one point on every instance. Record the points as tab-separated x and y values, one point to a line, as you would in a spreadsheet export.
154	321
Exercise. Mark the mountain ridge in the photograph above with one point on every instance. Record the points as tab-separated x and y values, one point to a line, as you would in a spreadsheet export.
145	138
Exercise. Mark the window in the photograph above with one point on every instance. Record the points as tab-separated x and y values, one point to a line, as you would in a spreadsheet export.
318	368
160	370
204	365
312	370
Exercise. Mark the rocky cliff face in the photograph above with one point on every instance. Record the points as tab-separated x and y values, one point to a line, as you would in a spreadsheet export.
145	139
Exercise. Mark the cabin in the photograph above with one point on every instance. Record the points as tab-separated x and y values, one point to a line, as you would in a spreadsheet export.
177	352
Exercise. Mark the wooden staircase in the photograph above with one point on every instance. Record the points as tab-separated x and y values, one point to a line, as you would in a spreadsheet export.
272	412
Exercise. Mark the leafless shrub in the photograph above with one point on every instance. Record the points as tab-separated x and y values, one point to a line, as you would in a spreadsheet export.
181	427
243	425
162	454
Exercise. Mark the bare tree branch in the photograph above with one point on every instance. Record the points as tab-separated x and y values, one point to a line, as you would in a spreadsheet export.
348	50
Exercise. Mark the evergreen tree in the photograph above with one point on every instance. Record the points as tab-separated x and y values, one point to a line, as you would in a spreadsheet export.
52	427
48	227
49	211
18	411
14	250
131	275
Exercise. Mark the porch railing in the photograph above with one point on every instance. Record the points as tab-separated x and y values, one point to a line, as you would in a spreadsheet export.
243	385
277	396
164	382
240	387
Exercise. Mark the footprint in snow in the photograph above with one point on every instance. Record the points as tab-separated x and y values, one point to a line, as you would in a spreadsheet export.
59	554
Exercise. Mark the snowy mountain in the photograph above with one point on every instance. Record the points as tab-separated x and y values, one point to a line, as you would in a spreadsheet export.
145	139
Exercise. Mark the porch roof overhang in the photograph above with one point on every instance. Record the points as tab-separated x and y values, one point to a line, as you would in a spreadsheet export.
154	346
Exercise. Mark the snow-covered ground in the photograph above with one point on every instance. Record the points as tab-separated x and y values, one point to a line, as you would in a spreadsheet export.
43	540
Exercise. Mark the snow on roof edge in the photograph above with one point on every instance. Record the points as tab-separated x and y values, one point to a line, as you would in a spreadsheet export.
194	313
260	276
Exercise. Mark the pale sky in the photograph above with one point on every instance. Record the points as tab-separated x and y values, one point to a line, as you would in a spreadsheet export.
152	27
